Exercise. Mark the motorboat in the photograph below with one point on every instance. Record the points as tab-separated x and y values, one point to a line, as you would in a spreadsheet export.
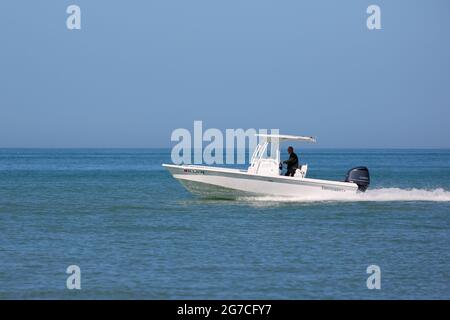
264	175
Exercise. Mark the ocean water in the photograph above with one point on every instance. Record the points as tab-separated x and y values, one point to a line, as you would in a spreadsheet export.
136	233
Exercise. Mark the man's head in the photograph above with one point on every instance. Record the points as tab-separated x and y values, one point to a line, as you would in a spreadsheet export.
290	149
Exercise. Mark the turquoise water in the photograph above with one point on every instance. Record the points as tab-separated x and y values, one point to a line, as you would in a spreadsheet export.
136	233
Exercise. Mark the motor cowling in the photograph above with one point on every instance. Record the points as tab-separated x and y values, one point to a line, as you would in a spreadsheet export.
360	176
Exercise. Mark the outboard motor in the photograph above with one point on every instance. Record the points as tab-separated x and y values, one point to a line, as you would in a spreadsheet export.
360	176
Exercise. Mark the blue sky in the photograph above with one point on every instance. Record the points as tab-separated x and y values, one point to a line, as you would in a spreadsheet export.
139	69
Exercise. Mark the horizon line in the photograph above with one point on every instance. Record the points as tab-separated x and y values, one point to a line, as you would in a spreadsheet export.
305	147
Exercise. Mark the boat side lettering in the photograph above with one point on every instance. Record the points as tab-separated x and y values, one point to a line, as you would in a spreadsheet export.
195	171
333	189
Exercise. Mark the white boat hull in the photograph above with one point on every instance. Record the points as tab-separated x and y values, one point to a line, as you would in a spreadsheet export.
231	183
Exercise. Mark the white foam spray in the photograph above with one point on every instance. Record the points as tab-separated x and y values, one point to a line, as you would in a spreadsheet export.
382	194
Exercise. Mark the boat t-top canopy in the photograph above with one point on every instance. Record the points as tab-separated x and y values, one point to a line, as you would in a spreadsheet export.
284	137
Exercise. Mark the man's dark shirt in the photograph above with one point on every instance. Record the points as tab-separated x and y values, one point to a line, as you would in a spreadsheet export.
292	162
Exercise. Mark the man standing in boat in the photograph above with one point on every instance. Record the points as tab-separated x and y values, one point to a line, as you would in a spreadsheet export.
292	162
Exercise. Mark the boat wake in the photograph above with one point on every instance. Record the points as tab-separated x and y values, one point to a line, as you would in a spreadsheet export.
382	194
